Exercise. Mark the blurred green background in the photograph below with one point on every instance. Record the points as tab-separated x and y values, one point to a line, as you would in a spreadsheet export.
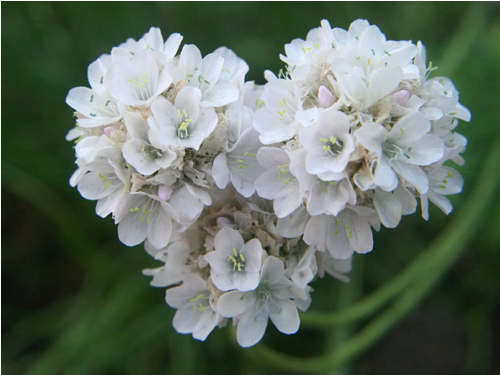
74	300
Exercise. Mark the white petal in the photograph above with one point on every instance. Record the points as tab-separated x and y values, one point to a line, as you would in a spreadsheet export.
410	128
136	125
338	238
251	328
220	171
207	322
171	46
273	270
222	93
185	319
190	58
371	136
441	201
159	229
384	81
272	157
108	204
188	99
270	185
388	208
412	174
133	154
289	202
131	230
287	319
192	286
227	239
384	175
294	224
235	303
426	150
315	230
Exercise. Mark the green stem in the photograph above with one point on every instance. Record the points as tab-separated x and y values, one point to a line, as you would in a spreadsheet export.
441	254
466	35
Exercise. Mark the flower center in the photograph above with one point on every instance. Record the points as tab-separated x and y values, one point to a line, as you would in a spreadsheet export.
141	87
332	146
151	152
183	130
393	151
238	260
264	296
197	304
144	215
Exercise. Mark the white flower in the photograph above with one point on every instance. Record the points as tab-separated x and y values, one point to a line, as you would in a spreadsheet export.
204	74
272	299
188	201
330	197
152	41
305	269
361	91
99	108
442	181
334	267
239	165
235	264
96	149
140	216
175	257
442	94
294	224
195	314
106	183
391	205
276	120
328	143
184	123
144	151
401	151
138	81
234	68
278	183
343	234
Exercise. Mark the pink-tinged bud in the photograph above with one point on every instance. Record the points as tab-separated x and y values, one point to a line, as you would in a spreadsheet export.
325	97
108	130
165	192
402	97
223	222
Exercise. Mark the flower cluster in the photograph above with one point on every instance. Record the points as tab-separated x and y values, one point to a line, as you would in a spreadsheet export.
247	193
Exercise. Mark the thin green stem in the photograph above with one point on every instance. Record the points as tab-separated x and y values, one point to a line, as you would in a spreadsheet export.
466	35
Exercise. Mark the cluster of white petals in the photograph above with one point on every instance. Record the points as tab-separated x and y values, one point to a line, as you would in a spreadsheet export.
248	193
355	133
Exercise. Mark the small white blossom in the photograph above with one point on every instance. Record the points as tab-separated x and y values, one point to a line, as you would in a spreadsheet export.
138	81
144	151
401	151
235	264
204	74
195	314
239	165
278	183
328	143
442	181
184	123
272	299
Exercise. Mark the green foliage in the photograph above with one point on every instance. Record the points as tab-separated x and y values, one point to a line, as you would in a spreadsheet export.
75	301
